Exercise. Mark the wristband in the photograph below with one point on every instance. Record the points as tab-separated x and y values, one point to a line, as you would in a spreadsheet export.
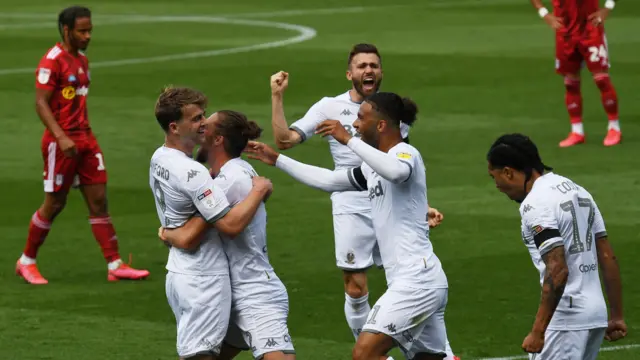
610	4
543	12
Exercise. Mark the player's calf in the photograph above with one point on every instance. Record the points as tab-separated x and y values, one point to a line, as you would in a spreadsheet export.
356	305
609	99
371	346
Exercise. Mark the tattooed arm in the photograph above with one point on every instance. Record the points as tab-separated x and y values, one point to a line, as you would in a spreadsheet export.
555	279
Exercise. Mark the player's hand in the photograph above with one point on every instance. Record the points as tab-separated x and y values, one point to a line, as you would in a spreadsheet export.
67	146
334	128
553	21
262	184
598	17
616	330
162	238
434	217
279	82
259	151
533	343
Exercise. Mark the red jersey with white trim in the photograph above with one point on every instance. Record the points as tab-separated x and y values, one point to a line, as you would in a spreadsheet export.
574	14
67	76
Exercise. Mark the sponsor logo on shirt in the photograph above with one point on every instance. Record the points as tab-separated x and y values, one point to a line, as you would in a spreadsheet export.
403	155
205	194
69	92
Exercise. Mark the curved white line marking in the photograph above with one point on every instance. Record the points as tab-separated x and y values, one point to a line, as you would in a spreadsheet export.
304	33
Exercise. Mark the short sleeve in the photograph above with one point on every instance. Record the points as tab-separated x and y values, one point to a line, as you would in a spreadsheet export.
539	222
209	199
47	74
598	228
306	126
236	187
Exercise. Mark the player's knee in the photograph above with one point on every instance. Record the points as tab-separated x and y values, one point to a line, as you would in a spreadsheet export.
98	207
603	82
53	205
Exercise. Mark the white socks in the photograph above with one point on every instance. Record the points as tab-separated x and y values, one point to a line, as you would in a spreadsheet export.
25	260
577	128
114	264
614	124
356	311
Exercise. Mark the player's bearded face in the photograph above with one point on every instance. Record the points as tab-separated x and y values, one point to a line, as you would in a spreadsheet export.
367	125
80	35
365	73
509	182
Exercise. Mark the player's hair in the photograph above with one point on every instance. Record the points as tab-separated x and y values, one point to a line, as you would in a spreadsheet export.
236	130
363	49
171	101
516	151
69	15
391	106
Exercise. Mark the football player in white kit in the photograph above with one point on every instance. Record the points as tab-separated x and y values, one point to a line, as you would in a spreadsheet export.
354	237
566	237
197	283
260	304
410	313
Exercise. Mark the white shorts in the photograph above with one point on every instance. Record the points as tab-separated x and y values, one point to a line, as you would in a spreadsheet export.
201	305
261	328
414	318
571	345
355	241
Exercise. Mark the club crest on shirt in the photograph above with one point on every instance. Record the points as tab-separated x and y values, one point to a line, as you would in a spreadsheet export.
43	75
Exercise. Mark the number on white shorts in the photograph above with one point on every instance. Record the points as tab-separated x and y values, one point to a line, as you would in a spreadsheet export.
100	161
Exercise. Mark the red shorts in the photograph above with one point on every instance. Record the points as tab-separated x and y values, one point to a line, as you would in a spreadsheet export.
573	51
86	168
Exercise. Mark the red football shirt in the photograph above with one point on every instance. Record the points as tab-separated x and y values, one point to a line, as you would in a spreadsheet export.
67	76
574	14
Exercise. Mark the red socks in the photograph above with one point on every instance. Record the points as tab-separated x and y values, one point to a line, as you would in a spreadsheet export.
608	94
573	100
105	235
38	230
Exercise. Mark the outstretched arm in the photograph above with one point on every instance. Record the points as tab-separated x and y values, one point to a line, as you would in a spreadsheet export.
313	176
389	166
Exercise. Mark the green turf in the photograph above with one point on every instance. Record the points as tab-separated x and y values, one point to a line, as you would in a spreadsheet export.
476	68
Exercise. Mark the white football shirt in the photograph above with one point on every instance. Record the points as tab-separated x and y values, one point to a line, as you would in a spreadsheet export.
252	276
182	187
399	218
343	109
557	203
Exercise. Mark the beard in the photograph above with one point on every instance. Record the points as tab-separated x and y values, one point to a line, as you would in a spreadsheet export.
371	138
359	86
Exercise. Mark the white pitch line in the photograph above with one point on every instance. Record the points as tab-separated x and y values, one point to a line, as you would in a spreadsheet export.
604	349
304	33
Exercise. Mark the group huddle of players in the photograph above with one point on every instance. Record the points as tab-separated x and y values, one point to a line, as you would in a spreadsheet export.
224	293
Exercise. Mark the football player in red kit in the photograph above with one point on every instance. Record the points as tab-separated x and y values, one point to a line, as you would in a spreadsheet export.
69	148
580	40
